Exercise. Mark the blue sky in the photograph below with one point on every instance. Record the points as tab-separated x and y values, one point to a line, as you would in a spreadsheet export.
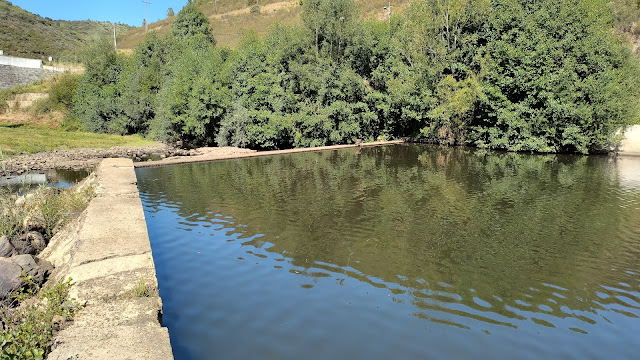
124	11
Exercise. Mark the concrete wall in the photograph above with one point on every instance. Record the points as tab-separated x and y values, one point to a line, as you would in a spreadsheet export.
20	62
11	76
25	101
631	143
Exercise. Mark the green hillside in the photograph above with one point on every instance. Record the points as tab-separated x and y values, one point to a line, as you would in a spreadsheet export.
28	35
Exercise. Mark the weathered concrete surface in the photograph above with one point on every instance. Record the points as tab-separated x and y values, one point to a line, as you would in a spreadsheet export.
210	154
631	143
25	101
107	253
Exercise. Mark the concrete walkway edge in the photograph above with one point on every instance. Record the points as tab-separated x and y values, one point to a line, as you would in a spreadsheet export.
107	254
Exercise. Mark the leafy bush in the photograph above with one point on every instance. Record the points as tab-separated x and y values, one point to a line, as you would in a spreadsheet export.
61	94
28	330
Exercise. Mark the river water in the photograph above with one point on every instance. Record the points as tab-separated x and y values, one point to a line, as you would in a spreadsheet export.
403	252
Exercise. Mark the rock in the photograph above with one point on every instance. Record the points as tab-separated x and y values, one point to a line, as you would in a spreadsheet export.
6	248
45	266
20	201
24	261
30	243
10	280
39	270
57	322
35	222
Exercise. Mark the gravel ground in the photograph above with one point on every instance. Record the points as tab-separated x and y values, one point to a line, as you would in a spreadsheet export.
89	158
84	158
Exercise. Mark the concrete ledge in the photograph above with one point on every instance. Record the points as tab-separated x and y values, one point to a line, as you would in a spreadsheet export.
251	154
630	145
107	253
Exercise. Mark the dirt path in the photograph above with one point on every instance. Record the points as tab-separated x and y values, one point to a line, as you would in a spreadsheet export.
269	8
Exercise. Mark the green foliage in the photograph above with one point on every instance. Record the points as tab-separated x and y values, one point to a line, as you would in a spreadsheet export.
60	95
29	329
233	128
194	98
331	22
556	78
545	76
190	22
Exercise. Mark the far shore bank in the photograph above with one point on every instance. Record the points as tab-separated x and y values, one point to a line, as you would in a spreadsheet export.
160	155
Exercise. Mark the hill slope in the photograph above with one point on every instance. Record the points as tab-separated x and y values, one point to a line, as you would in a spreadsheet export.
28	35
230	19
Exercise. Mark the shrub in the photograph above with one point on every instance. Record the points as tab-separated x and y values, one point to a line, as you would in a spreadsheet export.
28	330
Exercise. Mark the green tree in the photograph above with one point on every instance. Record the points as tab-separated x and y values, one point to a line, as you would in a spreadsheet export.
96	101
190	22
331	22
556	77
195	96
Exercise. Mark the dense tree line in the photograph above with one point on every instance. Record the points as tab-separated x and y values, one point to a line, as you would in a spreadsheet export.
520	75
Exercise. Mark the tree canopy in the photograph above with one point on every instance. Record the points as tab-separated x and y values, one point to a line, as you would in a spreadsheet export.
519	75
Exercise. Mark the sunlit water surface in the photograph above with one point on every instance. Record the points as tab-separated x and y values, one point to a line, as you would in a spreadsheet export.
398	252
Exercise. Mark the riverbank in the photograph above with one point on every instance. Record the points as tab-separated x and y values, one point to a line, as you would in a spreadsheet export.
83	158
31	313
161	154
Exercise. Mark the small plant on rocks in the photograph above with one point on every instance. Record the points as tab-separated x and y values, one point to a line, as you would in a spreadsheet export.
26	332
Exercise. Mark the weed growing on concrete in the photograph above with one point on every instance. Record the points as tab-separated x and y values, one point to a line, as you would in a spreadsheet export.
26	331
141	290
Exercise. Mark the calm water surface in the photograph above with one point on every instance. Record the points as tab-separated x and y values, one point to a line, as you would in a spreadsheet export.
398	252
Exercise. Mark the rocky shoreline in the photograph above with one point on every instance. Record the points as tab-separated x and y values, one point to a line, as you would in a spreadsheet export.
85	158
21	266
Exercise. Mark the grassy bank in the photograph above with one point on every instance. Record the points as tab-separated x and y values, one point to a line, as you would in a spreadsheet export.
28	139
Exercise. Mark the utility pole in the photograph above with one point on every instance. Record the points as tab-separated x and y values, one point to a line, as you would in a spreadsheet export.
115	43
388	11
146	21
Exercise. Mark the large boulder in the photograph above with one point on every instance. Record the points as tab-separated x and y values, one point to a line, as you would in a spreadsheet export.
39	270
10	279
6	248
30	243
